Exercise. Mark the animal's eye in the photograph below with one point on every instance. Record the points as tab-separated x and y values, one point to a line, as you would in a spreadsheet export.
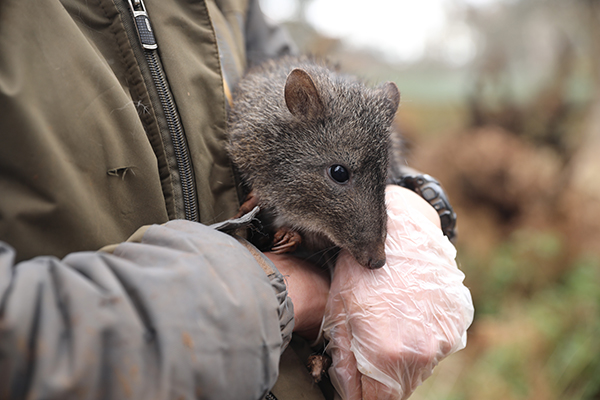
339	173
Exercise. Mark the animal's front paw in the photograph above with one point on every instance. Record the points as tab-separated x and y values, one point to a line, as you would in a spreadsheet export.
248	205
285	240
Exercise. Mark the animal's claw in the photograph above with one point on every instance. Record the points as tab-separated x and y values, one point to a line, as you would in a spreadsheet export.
286	241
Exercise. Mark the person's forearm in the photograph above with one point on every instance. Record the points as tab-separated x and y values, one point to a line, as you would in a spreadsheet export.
169	315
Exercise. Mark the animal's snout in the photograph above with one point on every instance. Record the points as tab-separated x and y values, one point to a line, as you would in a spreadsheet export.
376	263
374	257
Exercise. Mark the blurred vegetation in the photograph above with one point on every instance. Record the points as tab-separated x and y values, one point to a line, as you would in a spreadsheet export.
513	135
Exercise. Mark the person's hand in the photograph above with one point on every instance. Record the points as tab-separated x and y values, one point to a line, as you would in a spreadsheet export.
308	287
388	328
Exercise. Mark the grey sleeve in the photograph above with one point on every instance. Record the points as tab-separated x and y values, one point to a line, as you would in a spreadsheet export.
265	39
186	313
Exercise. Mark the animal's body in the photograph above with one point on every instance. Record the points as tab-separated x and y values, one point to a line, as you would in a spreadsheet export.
313	146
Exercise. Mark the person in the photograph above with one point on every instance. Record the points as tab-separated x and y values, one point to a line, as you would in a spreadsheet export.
112	167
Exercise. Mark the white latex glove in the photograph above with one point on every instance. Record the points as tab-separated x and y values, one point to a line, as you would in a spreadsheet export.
388	328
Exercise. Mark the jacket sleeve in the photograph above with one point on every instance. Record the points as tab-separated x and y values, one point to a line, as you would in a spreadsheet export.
186	312
264	39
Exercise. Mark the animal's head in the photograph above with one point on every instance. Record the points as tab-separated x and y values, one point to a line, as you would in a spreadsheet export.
332	158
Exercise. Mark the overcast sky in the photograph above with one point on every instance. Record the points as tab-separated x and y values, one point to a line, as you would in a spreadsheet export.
400	28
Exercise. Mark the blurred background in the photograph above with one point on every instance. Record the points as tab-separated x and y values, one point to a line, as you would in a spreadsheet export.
501	103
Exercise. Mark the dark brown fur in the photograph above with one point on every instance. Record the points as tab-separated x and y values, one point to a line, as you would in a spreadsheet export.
287	128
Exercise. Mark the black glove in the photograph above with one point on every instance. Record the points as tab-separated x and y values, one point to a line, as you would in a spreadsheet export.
431	190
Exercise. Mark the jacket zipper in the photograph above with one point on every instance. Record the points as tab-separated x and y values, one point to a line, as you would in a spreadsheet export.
182	157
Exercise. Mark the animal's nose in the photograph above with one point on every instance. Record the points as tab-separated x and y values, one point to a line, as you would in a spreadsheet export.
376	263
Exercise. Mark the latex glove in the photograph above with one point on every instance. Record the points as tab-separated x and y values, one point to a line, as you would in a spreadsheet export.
388	328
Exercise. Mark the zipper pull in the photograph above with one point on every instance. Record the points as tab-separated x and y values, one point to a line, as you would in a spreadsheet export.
142	24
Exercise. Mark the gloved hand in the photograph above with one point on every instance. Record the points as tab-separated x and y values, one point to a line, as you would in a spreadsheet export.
388	328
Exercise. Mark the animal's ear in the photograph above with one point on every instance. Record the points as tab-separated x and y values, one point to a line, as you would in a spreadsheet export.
301	95
390	90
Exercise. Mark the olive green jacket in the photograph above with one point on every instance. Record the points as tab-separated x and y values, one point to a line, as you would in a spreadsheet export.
86	156
103	136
